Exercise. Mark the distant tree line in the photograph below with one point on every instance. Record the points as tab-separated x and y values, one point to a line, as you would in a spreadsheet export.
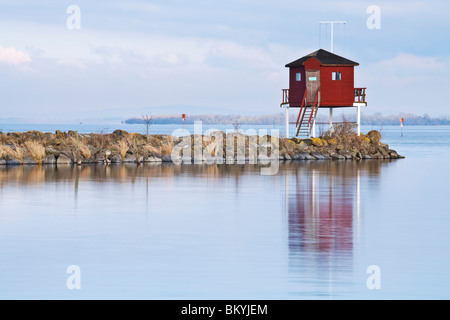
278	119
274	119
409	119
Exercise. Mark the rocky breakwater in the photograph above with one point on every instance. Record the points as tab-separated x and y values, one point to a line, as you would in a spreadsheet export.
37	148
336	147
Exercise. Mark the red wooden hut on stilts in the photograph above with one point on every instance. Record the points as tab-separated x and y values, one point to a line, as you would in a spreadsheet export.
321	80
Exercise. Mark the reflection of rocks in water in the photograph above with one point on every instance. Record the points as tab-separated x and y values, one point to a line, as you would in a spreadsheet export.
130	172
344	169
126	173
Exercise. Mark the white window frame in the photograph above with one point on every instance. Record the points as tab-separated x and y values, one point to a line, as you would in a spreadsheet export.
336	76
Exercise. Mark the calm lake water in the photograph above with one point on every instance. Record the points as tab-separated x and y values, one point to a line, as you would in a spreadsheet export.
227	232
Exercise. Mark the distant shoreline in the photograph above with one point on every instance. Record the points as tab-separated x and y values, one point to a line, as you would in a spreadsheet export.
279	119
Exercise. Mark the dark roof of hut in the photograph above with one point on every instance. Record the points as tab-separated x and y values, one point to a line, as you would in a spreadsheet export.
325	58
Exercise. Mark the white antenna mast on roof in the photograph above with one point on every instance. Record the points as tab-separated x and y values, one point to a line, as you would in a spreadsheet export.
332	23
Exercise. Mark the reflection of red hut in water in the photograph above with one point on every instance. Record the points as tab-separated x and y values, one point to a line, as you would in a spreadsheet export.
321	220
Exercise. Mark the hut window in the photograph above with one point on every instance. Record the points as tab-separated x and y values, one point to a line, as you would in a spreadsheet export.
298	77
336	76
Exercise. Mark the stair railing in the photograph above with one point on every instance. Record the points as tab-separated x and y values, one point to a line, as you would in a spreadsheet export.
314	111
301	108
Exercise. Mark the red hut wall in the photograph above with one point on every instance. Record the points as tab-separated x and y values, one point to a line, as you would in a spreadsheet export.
337	93
312	64
296	88
334	93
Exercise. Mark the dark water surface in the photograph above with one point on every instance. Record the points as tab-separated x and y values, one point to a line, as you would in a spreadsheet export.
227	232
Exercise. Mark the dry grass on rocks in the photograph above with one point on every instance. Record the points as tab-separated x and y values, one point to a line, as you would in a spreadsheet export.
122	147
15	152
36	150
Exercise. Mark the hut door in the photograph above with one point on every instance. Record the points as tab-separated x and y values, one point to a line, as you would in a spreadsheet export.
312	85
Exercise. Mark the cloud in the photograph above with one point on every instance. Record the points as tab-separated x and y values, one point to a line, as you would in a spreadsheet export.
412	63
139	57
69	62
136	6
405	83
240	54
13	56
405	69
229	53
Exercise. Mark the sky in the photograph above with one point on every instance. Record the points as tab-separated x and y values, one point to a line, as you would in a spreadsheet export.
220	56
